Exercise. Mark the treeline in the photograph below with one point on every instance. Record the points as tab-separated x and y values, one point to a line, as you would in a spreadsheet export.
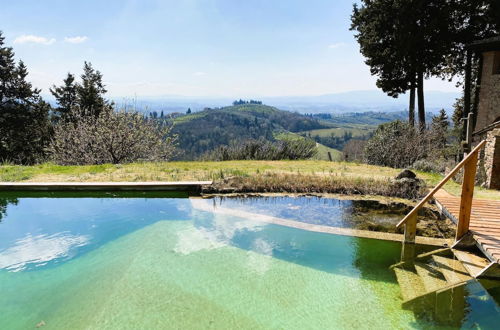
83	128
240	102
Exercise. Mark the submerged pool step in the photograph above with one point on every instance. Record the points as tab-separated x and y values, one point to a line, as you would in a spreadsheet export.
473	262
424	256
431	277
410	283
452	269
421	280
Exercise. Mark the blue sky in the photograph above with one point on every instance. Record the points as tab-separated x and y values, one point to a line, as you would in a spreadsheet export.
233	48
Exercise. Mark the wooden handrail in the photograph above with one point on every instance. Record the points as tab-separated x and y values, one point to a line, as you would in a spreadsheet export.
414	211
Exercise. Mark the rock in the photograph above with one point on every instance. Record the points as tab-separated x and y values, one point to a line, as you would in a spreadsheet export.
406	174
40	324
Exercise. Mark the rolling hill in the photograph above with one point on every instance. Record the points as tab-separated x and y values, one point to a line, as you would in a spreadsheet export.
203	131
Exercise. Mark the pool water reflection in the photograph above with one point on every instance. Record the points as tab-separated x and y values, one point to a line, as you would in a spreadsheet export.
147	262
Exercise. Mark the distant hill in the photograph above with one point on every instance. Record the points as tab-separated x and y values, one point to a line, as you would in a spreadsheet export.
354	101
202	131
371	118
360	101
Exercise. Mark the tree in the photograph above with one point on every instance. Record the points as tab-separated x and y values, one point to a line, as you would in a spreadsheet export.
85	98
66	97
407	41
24	116
439	130
111	137
458	132
458	112
385	36
91	92
188	111
4	203
472	20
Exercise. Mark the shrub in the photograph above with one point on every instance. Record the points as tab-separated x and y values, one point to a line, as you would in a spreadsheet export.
265	150
353	150
426	165
396	144
111	137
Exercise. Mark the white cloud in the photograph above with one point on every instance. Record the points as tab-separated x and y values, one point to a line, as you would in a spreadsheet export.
39	250
336	45
199	73
28	38
76	40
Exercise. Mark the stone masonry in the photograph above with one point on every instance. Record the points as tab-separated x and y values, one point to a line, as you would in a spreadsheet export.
492	159
489	95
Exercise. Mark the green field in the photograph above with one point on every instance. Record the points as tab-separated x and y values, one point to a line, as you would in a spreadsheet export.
340	131
323	150
323	153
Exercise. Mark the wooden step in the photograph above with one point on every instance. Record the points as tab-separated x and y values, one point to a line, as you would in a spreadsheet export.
472	262
452	269
431	253
410	283
430	276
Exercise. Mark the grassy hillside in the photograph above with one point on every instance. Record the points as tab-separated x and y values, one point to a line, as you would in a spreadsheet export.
203	131
356	132
322	150
344	127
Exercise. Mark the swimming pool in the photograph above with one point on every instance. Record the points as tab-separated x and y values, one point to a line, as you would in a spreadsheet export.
141	261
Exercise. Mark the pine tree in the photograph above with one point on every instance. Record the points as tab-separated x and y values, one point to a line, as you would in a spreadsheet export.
439	129
24	117
188	111
458	113
66	97
91	92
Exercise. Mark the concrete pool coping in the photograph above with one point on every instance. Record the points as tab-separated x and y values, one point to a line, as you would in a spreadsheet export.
102	186
202	205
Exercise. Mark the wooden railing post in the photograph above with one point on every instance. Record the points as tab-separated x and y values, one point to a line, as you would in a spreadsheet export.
408	251
411	229
469	179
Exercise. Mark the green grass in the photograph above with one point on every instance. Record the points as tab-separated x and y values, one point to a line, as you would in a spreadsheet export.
323	150
323	153
349	173
171	171
340	131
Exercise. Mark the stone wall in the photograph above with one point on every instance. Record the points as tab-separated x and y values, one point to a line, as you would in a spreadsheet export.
489	95
492	159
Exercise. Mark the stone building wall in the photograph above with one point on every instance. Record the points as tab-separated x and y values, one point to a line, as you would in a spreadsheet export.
489	95
492	159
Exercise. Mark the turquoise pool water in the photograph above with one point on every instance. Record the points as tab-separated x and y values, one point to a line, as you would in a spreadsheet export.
139	261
